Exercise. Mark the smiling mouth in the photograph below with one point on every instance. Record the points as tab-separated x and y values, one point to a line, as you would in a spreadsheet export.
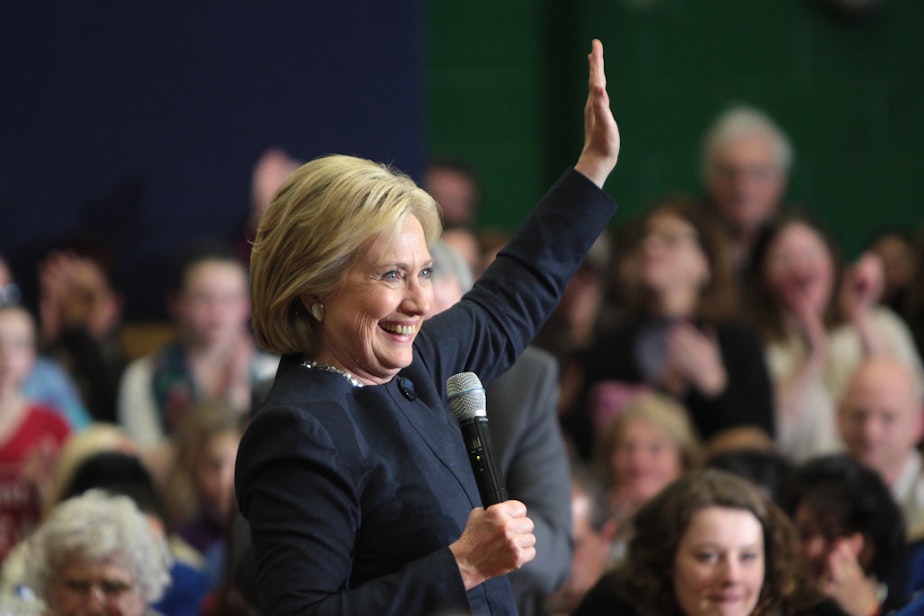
401	330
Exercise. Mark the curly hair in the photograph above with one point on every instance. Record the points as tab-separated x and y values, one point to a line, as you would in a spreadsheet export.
98	526
661	523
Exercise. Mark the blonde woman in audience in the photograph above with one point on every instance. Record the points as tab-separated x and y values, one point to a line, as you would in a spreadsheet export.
200	490
818	325
649	445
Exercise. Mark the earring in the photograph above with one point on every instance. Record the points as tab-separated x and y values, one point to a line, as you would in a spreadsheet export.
317	311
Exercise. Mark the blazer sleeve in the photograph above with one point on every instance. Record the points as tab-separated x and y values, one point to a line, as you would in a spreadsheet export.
489	328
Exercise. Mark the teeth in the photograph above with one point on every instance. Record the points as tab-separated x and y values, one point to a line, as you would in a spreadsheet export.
403	330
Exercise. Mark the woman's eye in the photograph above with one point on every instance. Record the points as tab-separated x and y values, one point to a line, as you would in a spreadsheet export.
426	272
706	557
750	556
392	276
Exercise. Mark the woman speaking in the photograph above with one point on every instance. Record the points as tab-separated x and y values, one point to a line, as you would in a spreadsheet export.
353	473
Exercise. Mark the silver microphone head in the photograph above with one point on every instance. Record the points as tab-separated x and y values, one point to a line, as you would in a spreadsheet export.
466	395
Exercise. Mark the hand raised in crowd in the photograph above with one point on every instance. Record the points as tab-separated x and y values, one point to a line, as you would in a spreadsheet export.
601	134
496	540
694	357
846	583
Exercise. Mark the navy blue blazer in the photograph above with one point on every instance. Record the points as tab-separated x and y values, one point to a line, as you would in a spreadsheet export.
354	494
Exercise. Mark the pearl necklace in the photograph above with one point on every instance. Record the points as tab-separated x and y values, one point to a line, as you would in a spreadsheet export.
352	379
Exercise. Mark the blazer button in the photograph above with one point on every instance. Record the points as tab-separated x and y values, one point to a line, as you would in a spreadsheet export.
406	388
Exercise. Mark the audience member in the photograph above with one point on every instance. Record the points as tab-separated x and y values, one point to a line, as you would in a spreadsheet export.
572	327
528	443
97	554
31	434
47	382
592	531
681	336
213	358
200	490
851	534
455	187
818	325
80	318
710	543
646	447
896	250
881	423
269	172
746	162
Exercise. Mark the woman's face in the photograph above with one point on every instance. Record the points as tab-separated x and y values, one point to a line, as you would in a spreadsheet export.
799	269
719	565
644	460
215	474
671	256
214	306
17	347
92	588
371	322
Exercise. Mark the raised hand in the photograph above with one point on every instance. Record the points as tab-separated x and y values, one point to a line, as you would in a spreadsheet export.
696	357
601	134
495	541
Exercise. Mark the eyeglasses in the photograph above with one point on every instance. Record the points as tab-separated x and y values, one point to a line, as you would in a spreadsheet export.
109	588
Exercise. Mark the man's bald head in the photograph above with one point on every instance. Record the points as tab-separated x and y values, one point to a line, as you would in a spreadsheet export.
880	415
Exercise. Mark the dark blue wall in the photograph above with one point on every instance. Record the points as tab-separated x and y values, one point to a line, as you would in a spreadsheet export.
138	123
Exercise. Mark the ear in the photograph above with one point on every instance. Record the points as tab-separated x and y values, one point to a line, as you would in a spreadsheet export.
306	301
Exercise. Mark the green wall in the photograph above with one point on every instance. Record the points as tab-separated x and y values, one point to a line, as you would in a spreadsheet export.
506	86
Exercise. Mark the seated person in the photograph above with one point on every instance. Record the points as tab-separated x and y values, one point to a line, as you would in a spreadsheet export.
880	421
31	434
97	552
710	543
851	534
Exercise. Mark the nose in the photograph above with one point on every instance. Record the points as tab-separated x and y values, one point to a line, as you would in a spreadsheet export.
731	570
419	297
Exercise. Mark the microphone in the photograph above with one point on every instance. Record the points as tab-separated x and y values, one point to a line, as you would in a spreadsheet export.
467	401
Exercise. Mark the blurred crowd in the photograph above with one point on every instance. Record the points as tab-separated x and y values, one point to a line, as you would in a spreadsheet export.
718	330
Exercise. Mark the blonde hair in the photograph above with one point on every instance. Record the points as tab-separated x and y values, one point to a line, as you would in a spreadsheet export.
658	410
321	218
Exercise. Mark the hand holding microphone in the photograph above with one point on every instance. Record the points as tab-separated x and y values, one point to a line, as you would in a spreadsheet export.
498	539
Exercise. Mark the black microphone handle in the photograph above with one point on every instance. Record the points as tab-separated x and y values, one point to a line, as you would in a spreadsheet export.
488	476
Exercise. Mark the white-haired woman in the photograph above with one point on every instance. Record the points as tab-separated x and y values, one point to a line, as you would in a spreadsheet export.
97	554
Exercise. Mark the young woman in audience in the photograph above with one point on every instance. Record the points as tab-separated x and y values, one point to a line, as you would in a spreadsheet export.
646	447
817	325
213	358
709	543
851	534
681	337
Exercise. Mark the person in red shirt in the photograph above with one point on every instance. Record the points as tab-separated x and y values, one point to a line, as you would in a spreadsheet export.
31	434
